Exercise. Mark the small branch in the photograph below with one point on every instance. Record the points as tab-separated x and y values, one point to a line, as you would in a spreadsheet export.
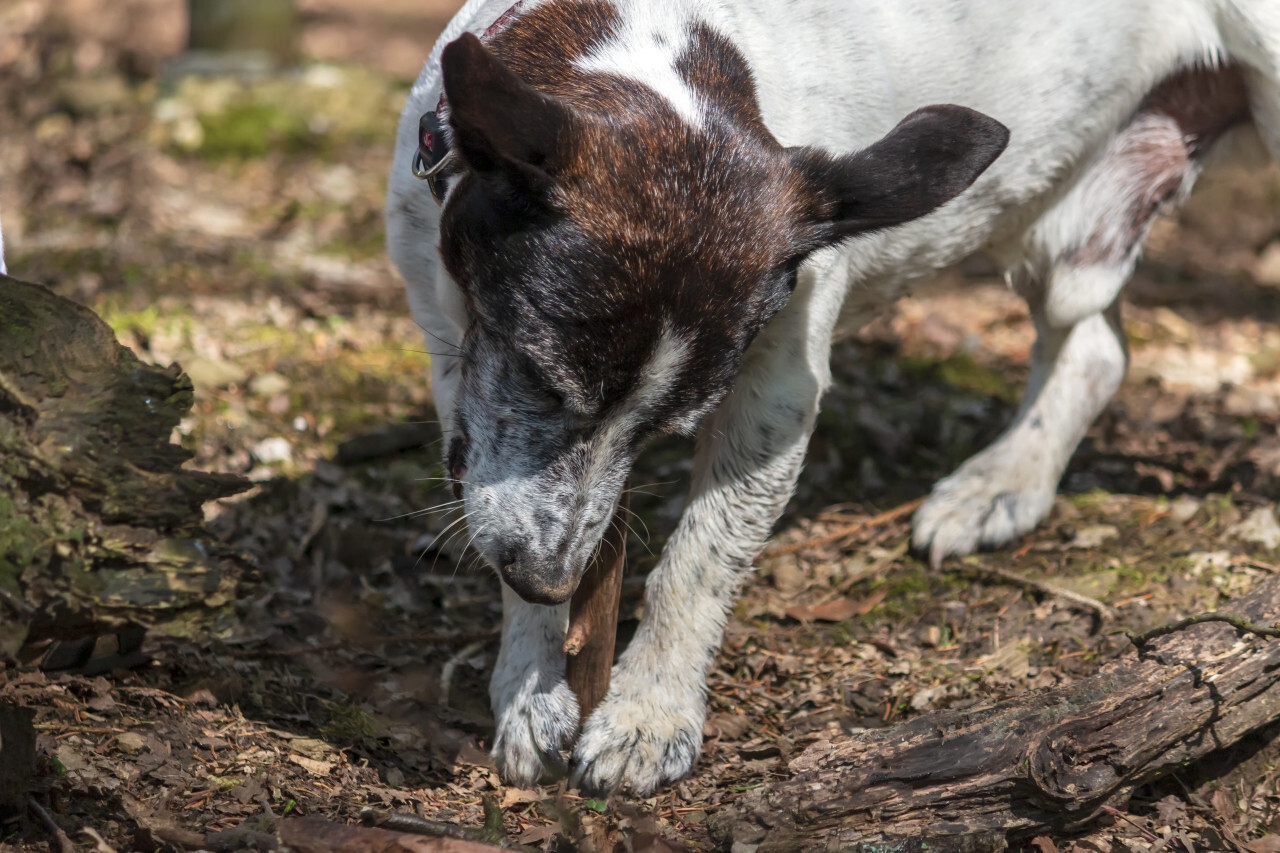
415	825
446	672
65	844
1236	622
847	531
575	639
1092	604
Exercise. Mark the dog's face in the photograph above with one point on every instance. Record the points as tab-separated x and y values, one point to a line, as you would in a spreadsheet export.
616	263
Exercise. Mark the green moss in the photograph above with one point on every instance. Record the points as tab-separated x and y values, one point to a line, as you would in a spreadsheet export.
349	723
252	129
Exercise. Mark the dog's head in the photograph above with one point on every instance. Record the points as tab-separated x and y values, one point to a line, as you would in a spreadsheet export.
616	262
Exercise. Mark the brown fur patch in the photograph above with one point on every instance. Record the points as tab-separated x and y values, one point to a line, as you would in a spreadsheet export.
1176	125
696	223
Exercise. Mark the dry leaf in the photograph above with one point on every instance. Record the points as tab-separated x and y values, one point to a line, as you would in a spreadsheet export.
1265	844
1223	806
837	609
1043	844
518	797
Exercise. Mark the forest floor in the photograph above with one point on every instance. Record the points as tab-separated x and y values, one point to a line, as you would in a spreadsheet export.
236	228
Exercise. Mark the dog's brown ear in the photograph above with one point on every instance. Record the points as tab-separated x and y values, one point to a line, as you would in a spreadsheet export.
932	156
499	122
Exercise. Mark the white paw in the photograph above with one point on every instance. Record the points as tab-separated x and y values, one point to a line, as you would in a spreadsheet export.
981	505
639	738
536	728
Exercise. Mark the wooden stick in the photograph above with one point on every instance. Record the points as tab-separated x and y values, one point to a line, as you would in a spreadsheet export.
593	614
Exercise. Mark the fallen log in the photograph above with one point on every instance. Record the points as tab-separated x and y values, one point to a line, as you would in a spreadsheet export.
101	528
1042	763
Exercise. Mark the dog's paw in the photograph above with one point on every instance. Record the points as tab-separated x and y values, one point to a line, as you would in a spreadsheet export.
638	740
535	733
980	505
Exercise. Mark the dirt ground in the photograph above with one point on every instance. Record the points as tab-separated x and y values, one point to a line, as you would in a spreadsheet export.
236	228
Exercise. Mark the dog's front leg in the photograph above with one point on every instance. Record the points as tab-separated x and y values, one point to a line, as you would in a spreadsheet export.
648	730
535	711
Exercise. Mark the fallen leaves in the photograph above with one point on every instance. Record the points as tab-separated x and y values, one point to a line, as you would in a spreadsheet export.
836	609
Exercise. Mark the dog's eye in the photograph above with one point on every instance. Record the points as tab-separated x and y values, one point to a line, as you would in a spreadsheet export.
553	398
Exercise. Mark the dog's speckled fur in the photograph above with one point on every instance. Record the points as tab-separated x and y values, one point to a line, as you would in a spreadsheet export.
658	226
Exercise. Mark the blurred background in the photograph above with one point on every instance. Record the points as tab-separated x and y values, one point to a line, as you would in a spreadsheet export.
215	193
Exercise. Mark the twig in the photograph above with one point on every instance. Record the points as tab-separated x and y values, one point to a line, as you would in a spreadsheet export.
493	831
1114	812
1236	622
1102	610
847	530
65	844
446	672
415	825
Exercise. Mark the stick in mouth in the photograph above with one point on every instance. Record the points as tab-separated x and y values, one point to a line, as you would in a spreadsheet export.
593	616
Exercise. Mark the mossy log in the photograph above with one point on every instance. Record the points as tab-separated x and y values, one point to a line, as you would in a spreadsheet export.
1046	762
100	525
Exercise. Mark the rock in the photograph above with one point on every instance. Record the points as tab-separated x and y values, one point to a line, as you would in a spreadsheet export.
1267	268
268	384
1093	535
131	743
272	450
1184	509
1259	527
207	372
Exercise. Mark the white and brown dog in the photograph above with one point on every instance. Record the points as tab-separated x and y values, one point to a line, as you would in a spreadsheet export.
656	214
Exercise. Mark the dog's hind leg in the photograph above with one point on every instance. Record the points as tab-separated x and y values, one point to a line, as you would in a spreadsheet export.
1006	489
1087	245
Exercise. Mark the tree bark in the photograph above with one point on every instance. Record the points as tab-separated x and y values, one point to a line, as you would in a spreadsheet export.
100	526
593	616
1042	762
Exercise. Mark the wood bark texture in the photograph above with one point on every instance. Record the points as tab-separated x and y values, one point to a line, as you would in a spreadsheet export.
100	525
1043	762
593	615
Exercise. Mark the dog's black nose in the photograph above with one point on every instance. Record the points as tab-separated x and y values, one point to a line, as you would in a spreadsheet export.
537	582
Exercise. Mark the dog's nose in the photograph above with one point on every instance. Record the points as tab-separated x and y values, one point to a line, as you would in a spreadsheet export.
537	581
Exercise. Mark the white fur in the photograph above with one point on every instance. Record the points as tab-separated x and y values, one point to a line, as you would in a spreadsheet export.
645	49
2	267
1064	76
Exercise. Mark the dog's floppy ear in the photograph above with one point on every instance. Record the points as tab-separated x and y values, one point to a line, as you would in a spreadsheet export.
932	156
500	123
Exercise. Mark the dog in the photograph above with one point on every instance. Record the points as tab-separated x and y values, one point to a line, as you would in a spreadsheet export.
653	216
